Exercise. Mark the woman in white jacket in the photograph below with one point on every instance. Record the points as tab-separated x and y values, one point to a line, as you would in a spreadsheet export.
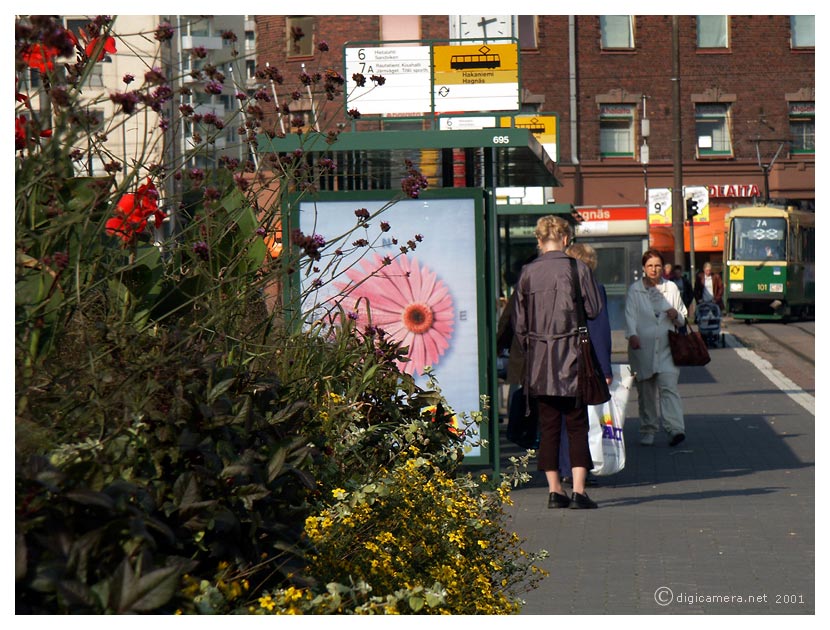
653	307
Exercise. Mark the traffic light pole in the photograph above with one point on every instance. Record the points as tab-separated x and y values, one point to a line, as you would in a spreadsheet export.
692	211
692	249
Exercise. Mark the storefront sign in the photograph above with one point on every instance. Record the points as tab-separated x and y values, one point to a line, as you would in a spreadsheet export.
734	190
611	220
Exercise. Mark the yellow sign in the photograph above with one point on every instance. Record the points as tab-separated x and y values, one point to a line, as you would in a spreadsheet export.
736	272
476	63
543	128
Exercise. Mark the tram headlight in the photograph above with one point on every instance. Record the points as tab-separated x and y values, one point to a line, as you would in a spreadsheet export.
736	287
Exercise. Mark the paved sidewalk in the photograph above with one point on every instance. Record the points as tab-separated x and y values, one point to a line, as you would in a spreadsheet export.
722	524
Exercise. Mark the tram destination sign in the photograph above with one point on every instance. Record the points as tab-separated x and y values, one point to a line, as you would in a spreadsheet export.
476	77
407	74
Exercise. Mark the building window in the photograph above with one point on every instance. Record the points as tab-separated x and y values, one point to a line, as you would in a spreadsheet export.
803	31
299	33
400	27
712	130
616	130
528	33
96	76
803	128
712	31
616	31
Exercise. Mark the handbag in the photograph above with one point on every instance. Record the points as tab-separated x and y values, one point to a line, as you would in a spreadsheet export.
688	348
606	423
591	386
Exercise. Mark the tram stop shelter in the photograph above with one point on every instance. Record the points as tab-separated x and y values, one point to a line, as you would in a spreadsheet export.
456	273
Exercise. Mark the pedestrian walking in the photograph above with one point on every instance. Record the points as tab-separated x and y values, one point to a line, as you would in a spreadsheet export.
545	323
653	307
599	330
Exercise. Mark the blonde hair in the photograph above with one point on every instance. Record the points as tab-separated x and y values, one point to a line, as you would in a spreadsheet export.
553	228
585	253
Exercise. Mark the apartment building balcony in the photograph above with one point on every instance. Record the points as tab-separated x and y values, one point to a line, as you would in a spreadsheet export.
189	42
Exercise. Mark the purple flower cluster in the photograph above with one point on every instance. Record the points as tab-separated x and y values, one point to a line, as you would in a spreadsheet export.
310	244
414	181
201	249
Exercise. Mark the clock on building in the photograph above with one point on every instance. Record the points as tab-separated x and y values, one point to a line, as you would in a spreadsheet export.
481	28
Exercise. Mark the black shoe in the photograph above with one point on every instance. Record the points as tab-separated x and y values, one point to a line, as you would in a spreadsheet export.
556	500
582	502
677	439
567	481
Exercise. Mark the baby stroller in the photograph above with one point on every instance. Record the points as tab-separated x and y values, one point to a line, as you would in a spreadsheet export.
707	316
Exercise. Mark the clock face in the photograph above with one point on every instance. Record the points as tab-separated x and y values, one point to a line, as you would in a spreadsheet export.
481	28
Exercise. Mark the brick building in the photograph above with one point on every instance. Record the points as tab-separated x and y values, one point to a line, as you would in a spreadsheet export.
746	104
747	95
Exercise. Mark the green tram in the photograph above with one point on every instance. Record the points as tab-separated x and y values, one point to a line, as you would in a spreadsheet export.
770	263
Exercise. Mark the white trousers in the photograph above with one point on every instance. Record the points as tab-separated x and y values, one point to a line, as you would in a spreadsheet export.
659	394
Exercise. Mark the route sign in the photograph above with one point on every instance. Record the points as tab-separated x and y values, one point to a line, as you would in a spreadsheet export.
476	77
542	126
453	123
407	74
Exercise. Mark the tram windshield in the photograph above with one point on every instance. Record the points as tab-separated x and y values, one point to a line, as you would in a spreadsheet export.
759	238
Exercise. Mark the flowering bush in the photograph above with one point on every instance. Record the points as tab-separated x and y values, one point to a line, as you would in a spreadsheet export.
181	443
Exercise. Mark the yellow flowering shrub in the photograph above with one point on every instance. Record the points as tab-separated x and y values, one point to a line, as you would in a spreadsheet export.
415	539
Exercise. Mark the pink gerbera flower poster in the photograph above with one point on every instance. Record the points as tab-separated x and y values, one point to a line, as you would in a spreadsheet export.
407	300
426	299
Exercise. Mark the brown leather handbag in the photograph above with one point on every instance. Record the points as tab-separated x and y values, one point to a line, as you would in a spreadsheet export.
689	348
591	385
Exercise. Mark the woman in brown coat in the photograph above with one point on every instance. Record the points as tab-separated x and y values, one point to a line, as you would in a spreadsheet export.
545	322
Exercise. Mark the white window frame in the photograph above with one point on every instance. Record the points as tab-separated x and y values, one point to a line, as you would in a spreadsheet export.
802	31
712	31
616	32
616	130
716	119
802	127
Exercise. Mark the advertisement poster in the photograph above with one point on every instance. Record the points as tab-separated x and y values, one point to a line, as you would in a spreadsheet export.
427	298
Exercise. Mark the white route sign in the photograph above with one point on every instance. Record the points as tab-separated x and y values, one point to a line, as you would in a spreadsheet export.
408	80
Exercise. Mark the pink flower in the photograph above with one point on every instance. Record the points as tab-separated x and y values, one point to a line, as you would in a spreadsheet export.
408	302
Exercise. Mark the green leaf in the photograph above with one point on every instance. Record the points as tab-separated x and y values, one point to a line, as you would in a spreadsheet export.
367	376
145	593
416	603
276	463
219	389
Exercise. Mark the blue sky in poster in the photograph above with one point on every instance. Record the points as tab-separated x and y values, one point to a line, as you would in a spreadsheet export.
448	249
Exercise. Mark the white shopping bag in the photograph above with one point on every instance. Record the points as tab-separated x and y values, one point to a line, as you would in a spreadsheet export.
606	422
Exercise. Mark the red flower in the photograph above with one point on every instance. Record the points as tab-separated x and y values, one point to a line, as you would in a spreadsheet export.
109	47
132	212
40	57
21	133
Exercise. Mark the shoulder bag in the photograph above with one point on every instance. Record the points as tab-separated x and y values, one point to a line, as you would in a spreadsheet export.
688	348
591	386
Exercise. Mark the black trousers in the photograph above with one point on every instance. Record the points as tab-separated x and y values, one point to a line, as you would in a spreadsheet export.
552	409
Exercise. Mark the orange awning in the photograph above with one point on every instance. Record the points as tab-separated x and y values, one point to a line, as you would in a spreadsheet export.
709	237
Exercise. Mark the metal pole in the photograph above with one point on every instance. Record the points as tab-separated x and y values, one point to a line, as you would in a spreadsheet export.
678	203
692	248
